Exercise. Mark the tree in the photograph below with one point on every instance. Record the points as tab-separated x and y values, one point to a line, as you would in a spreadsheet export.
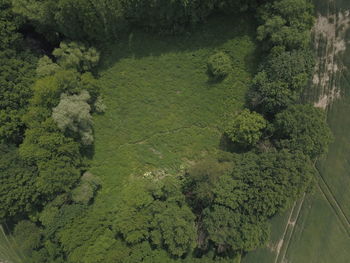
303	128
76	56
200	180
176	234
46	67
18	193
230	230
292	67
270	182
270	97
28	237
286	23
258	187
145	213
246	128
57	157
282	81
73	113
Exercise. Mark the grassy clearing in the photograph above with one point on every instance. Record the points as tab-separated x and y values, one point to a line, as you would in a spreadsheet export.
162	111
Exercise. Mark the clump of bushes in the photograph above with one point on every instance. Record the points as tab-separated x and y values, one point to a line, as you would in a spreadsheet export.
219	65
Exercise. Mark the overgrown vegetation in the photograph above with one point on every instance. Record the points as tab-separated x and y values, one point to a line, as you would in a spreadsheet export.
217	209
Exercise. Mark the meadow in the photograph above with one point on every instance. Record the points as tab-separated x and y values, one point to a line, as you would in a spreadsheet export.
162	109
163	112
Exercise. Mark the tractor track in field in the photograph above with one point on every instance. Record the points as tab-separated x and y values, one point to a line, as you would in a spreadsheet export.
144	140
327	193
333	70
289	230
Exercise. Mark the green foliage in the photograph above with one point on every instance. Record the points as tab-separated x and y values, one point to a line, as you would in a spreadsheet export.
270	97
56	156
99	105
73	113
18	193
46	67
292	67
258	187
9	25
76	56
303	128
286	23
231	230
147	215
85	191
219	65
246	128
27	236
16	76
283	80
201	178
100	20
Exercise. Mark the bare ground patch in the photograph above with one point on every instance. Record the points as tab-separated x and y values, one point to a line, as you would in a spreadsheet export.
329	41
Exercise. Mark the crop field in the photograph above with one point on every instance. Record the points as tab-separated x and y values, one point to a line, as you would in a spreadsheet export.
162	110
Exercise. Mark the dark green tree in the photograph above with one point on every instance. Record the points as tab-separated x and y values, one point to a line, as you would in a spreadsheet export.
303	128
18	192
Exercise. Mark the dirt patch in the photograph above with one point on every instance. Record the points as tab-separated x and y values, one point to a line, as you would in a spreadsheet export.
329	41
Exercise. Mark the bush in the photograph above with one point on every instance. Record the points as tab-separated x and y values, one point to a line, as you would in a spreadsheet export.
219	65
85	191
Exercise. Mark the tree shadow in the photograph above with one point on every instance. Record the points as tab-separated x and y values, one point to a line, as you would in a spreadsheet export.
227	145
218	29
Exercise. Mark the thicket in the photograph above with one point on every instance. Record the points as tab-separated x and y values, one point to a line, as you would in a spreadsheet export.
214	212
98	20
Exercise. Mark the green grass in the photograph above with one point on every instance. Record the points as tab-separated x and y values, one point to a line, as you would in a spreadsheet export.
318	235
162	110
335	167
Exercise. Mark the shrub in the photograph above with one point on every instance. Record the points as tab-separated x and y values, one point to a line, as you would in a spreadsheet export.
219	65
99	105
86	189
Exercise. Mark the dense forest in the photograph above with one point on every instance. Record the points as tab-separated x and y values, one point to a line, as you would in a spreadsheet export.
218	209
